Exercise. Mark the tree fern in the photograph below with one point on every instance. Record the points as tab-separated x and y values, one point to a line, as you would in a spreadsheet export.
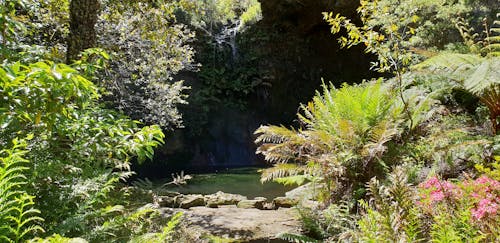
478	75
344	135
18	218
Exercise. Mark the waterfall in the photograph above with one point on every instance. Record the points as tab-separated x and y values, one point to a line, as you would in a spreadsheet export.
228	37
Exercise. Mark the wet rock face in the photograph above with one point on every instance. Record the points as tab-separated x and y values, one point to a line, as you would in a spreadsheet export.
295	51
302	51
192	201
303	15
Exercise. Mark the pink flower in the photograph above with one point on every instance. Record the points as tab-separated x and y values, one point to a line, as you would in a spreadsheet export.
482	180
485	206
437	196
432	182
448	185
477	213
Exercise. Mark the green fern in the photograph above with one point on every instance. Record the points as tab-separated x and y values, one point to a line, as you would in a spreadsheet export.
293	180
296	238
478	75
344	136
18	219
57	239
280	171
493	38
391	214
164	236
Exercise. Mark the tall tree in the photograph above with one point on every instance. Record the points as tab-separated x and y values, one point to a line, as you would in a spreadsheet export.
83	17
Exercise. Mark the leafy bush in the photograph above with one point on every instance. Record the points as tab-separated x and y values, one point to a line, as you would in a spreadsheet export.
79	150
148	48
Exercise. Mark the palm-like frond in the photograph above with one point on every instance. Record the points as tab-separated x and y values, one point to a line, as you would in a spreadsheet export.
485	77
274	134
379	136
493	39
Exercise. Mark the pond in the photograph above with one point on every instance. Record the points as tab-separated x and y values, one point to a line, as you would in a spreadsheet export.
243	181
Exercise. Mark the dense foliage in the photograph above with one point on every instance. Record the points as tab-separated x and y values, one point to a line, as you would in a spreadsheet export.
64	153
412	156
370	147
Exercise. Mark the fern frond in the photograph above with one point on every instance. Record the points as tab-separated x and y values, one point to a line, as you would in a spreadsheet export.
454	64
485	76
296	238
293	180
379	135
274	134
281	170
144	184
17	216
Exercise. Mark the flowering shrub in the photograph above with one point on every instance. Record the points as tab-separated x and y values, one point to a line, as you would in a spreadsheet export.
483	194
487	191
474	203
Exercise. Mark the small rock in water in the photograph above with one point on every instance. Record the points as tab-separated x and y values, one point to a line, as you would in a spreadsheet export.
212	203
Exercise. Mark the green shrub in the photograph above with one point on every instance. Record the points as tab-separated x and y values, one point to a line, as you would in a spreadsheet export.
79	151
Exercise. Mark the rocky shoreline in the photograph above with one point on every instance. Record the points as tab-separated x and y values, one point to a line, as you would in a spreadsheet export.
236	217
186	201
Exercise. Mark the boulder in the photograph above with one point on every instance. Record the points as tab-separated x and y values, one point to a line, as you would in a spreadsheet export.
222	198
166	201
308	191
258	203
212	203
285	202
189	201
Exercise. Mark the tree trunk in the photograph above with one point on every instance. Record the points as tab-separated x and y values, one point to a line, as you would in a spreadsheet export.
83	17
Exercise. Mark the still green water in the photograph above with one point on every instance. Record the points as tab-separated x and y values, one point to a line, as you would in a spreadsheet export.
244	181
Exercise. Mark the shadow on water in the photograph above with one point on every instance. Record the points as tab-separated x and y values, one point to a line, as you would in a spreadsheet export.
243	181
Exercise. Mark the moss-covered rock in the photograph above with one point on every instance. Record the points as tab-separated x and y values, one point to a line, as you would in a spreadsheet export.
285	202
189	201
